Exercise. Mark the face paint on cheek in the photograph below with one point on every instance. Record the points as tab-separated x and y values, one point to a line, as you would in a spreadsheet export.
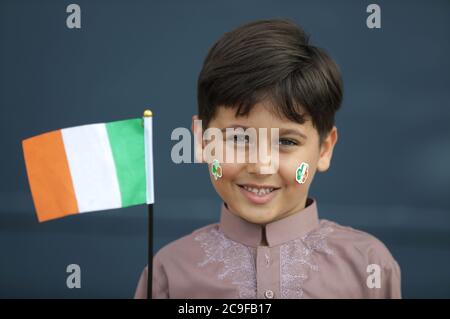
301	173
216	169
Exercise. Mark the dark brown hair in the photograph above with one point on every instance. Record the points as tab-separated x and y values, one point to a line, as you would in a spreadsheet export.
270	60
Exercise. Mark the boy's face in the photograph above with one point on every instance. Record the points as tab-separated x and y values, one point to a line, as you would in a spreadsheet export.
297	143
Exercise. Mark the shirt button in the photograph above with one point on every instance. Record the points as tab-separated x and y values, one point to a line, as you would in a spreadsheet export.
268	294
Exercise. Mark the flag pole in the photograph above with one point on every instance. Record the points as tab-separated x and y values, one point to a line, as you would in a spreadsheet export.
150	251
148	128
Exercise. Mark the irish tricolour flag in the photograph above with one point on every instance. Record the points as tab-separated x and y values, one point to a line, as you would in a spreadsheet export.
91	167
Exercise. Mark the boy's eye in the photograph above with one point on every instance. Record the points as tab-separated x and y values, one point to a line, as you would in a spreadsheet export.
245	139
241	139
287	142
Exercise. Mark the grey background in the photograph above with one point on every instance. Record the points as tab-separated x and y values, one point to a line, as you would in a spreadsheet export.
390	174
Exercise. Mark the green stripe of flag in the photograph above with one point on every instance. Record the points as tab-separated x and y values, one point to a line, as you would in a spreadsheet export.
127	145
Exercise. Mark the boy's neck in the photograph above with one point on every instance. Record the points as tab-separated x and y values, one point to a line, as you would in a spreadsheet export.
264	237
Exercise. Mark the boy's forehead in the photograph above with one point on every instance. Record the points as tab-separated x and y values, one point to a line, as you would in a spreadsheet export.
260	116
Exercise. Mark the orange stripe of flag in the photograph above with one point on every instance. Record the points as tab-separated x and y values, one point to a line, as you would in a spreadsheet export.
49	176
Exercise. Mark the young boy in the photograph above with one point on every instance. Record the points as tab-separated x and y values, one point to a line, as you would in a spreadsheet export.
269	242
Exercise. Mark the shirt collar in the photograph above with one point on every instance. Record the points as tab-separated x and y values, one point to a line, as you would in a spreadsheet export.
278	232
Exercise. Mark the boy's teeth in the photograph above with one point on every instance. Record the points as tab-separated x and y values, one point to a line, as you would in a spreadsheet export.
258	191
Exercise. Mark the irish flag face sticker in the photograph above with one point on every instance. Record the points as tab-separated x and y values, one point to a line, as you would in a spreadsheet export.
216	169
302	173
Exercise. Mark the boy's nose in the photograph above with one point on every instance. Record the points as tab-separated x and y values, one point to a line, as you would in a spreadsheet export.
260	169
266	159
263	167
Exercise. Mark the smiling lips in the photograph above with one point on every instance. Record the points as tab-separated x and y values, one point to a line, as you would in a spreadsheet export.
258	194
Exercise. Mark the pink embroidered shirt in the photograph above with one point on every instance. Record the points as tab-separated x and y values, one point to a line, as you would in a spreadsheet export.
298	256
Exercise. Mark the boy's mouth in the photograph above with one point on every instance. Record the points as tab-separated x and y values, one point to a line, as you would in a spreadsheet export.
258	194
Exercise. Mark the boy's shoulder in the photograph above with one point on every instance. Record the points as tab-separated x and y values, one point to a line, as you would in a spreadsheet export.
348	241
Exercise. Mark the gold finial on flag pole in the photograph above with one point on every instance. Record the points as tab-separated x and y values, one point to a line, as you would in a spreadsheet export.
148	113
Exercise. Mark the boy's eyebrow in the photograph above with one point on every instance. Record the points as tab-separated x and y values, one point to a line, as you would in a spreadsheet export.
234	126
292	131
282	130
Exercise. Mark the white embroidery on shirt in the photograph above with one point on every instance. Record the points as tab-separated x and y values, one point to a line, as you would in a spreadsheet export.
295	256
238	260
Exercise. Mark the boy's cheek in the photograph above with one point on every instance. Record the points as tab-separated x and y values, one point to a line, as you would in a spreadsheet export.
230	173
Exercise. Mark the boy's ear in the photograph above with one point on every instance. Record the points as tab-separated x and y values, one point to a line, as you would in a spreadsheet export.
197	131
326	150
